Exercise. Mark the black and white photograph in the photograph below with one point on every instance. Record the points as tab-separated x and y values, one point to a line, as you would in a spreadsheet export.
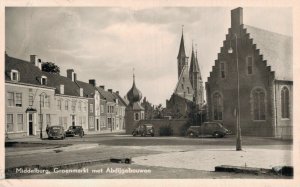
149	92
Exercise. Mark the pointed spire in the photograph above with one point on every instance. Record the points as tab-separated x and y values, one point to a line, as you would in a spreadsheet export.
181	52
133	76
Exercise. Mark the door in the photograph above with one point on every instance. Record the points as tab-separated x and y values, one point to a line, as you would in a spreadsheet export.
97	124
73	120
30	124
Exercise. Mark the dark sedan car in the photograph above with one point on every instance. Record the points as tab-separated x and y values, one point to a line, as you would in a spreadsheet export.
56	132
75	130
215	129
144	130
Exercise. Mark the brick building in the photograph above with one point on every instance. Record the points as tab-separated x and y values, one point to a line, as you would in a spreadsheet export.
264	61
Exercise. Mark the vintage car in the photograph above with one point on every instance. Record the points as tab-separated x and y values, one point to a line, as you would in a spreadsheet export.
56	132
215	129
144	130
75	130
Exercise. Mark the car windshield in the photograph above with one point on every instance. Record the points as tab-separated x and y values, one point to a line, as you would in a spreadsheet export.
71	127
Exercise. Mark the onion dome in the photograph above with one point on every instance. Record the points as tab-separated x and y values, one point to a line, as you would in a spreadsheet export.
134	95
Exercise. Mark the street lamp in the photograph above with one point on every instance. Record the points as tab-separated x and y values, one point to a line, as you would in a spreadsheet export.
238	122
41	126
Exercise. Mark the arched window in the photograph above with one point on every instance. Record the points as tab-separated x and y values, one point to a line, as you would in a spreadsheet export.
217	106
259	104
136	116
285	103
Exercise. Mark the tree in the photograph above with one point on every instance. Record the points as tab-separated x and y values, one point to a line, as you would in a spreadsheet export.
50	67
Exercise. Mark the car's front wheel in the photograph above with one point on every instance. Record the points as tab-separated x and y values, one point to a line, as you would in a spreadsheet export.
218	135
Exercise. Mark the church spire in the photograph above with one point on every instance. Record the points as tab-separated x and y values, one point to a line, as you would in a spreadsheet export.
181	53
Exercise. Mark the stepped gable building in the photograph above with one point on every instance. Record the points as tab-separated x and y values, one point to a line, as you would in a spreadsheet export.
134	110
188	93
264	61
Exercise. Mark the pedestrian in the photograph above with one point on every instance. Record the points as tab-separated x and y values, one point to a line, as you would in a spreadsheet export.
47	129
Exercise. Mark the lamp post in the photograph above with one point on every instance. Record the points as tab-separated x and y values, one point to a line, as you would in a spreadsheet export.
238	122
41	126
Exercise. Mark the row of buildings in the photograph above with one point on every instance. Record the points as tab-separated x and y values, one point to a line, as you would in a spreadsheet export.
35	99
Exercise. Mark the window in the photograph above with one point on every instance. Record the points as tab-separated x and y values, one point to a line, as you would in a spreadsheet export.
217	106
182	86
11	99
102	108
73	105
30	99
222	69
43	80
249	65
14	75
48	119
40	120
109	122
10	122
19	99
188	89
79	106
66	105
42	100
91	122
258	104
91	108
285	103
20	122
84	106
47	101
59	104
136	116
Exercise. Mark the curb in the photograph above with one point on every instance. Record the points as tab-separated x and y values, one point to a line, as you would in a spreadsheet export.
12	172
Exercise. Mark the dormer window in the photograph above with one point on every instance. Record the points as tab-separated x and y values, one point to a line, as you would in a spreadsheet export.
43	80
14	75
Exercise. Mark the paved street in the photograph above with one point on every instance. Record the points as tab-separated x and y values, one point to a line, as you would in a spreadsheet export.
185	157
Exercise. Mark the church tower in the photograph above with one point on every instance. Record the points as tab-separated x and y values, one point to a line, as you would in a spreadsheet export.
196	79
182	59
134	112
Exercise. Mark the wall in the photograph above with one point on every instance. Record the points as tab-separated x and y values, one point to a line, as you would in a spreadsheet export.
175	124
26	90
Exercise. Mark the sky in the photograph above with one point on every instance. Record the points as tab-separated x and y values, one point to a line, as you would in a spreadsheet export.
106	43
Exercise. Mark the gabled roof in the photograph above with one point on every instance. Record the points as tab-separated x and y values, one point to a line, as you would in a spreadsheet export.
109	97
88	89
277	50
29	73
121	100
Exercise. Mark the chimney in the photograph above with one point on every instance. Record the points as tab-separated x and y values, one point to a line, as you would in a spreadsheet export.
62	89
71	74
236	18
102	86
34	60
92	82
40	64
110	90
117	92
74	77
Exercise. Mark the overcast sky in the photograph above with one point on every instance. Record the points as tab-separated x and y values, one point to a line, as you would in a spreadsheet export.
107	43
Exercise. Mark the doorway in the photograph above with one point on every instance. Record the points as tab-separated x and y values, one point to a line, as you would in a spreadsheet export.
30	124
97	124
73	120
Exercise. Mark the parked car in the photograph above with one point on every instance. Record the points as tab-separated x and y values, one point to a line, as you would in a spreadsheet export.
56	132
75	130
144	130
215	129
